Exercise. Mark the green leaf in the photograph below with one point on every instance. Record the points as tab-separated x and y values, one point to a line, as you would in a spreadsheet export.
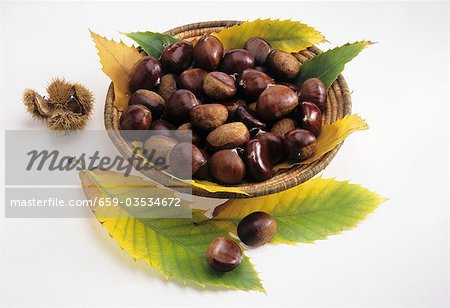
328	65
153	43
311	211
174	246
285	35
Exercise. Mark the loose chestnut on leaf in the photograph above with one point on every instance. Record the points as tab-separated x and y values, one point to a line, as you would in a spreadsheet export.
218	85
152	100
313	90
223	254
299	144
177	57
283	64
235	61
310	117
258	160
257	229
259	48
208	52
275	102
145	74
227	167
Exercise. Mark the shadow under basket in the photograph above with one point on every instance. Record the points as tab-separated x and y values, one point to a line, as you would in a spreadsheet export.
338	105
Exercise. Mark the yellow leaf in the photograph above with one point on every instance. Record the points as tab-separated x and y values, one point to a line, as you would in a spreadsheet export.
214	187
330	136
285	35
117	60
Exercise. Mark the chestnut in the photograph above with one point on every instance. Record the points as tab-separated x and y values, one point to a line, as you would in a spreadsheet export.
158	147
232	105
208	52
218	85
257	229
186	133
310	117
253	82
208	116
177	57
299	144
292	86
145	74
179	105
274	145
283	64
283	126
185	159
260	49
235	61
167	86
228	136
249	118
257	160
192	80
135	117
162	127
313	90
203	172
275	102
152	100
223	255
227	167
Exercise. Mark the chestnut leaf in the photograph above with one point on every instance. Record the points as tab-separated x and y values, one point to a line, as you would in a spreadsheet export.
176	247
117	60
311	211
153	43
285	35
328	65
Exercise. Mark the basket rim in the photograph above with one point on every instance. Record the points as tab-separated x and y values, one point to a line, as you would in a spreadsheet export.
291	177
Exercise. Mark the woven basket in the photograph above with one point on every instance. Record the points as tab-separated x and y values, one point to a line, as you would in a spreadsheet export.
338	105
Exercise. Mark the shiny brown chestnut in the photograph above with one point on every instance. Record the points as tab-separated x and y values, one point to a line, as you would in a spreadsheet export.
257	159
185	159
152	100
208	52
223	255
275	102
274	144
135	117
203	172
310	117
232	105
208	116
253	82
177	57
179	105
260	48
192	80
299	144
313	90
162	127
292	86
145	74
235	61
167	86
227	167
257	229
249	118
218	85
283	64
228	136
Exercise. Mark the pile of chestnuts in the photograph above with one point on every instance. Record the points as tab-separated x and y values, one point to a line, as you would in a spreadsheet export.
242	107
254	230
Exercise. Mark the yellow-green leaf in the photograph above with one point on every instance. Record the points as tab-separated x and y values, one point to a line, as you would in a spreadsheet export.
281	34
330	136
174	246
117	60
311	211
214	187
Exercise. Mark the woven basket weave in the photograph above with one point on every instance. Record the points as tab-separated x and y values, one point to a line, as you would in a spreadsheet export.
338	105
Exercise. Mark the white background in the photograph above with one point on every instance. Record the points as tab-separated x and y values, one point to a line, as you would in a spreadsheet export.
398	257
